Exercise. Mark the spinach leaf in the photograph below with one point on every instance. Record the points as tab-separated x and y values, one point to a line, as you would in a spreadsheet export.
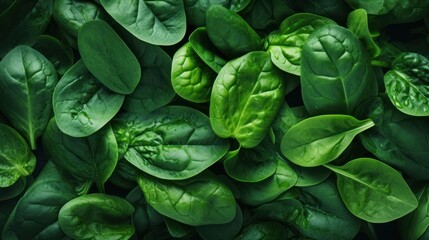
154	89
266	15
285	45
35	216
27	81
230	33
416	223
205	49
70	15
173	142
23	22
91	158
82	105
247	94
397	139
97	216
200	200
257	193
160	22
191	78
374	191
16	158
407	85
321	139
357	22
375	7
108	58
342	76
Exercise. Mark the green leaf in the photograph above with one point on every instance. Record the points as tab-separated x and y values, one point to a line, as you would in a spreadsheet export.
257	193
285	45
222	231
374	191
230	33
247	95
321	139
16	158
173	142
336	75
357	22
205	49
200	200
408	84
91	158
35	216
13	190
97	216
82	105
416	223
191	78
56	52
161	22
108	58
27	81
263	230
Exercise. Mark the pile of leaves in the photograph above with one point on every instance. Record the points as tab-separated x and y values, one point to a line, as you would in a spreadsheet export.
213	119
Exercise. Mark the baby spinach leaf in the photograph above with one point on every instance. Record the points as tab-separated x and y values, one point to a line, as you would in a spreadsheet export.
397	139
56	52
154	89
178	229
160	22
200	200
247	94
230	33
416	223
97	216
285	45
27	81
205	49
342	76
91	158
321	139
35	216
257	193
173	142
191	78
16	158
70	15
108	58
82	105
374	7
374	191
222	231
253	164
407	85
357	22
23	22
263	230
266	15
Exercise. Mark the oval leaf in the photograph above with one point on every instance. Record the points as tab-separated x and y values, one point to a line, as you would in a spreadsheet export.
321	139
374	191
108	58
97	216
197	201
161	22
27	81
246	97
82	105
173	142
